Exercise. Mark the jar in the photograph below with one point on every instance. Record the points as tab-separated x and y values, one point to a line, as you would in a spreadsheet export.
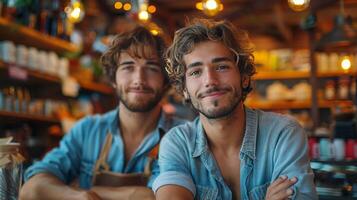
343	88
330	92
10	171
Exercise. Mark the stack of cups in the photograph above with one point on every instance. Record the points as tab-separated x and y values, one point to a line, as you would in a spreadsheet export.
10	169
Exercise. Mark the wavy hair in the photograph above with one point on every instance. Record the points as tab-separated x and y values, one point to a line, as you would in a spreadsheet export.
201	30
138	43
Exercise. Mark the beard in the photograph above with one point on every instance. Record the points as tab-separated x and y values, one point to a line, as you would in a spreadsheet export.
218	110
142	104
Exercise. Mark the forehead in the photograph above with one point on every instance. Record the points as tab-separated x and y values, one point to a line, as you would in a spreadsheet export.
206	51
125	55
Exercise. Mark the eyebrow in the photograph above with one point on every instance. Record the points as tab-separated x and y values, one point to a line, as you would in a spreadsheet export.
127	63
215	60
132	62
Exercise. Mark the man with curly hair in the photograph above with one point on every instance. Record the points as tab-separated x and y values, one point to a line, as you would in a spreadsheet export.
230	151
117	148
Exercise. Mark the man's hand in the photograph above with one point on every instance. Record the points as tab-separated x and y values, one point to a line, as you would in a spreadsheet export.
280	188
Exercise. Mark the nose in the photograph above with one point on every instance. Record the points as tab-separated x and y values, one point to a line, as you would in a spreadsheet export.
139	76
210	77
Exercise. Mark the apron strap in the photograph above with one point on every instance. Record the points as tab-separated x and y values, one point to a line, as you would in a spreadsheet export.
101	162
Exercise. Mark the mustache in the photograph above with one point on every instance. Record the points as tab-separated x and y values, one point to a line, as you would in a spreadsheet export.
141	88
212	90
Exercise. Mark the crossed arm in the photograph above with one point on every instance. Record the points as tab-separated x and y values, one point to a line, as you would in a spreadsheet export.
46	186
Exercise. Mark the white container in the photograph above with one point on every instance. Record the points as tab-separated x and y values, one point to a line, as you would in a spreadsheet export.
22	55
63	68
8	51
33	58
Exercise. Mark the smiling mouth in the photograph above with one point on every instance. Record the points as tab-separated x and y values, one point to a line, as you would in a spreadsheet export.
213	94
140	91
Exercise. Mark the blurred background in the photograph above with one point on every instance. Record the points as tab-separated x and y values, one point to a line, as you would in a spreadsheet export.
305	54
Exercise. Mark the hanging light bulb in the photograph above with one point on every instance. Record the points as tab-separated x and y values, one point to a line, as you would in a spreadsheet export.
75	11
346	63
210	7
118	5
143	13
298	5
151	9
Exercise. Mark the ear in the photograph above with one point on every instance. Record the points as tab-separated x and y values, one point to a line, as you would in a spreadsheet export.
245	81
185	94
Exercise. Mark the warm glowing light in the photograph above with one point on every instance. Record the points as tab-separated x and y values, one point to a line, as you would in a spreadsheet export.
154	32
127	6
143	15
220	7
346	63
151	9
199	6
298	5
74	11
211	5
118	5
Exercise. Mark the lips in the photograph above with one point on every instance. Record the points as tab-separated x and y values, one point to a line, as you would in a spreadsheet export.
140	90
213	92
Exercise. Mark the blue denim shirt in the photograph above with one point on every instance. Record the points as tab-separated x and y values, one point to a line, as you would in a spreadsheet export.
80	148
273	145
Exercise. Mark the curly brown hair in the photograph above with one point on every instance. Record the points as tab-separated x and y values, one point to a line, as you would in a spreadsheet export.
201	30
138	43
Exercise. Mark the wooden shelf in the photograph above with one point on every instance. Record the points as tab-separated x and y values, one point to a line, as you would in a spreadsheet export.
336	74
32	38
11	116
281	75
35	76
96	87
284	105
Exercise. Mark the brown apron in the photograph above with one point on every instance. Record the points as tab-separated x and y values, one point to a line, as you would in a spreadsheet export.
102	176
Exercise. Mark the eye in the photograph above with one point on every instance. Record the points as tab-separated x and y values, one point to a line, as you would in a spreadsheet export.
222	67
127	68
154	68
195	72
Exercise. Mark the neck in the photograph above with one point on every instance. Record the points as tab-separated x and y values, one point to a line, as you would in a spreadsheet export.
138	124
226	134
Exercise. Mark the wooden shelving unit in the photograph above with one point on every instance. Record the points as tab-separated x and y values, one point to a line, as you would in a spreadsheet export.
30	37
35	76
281	75
14	116
284	105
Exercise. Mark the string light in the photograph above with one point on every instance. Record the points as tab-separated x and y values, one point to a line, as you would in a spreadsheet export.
118	5
151	9
127	6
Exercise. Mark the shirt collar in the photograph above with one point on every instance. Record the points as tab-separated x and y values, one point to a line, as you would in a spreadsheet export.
250	134
164	122
201	140
249	139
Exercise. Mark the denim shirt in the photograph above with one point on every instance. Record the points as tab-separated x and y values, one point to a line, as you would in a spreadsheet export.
80	148
273	145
